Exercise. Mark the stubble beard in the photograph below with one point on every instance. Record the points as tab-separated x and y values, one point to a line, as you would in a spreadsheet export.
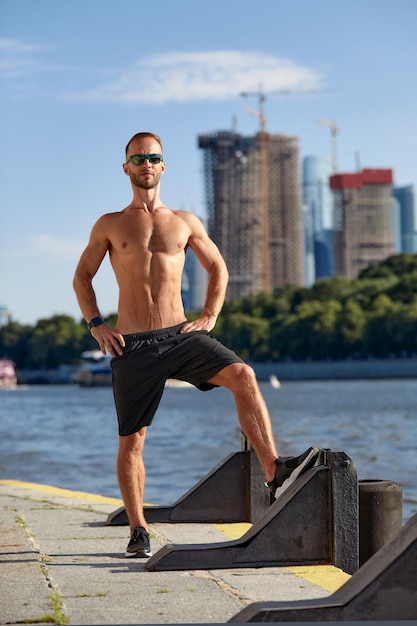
145	183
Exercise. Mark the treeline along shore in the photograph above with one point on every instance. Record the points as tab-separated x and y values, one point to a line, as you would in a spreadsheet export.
337	328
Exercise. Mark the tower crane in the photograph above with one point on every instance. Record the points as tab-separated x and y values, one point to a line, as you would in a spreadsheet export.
262	95
334	129
266	272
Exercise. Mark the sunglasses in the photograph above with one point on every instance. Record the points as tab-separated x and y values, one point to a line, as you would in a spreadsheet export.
139	159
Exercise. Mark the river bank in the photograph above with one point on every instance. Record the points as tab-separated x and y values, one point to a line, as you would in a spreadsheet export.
353	369
348	369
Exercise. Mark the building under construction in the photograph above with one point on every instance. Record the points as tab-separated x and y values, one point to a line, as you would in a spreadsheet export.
363	223
254	208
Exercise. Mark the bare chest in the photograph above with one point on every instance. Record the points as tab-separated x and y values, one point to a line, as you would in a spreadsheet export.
149	235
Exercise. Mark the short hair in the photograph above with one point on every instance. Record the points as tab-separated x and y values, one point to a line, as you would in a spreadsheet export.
142	135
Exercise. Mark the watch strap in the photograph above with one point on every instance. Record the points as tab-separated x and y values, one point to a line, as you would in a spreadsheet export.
96	321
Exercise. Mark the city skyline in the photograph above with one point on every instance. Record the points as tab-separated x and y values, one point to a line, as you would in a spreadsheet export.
77	84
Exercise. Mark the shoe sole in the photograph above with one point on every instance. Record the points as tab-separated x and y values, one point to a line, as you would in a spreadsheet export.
140	554
305	465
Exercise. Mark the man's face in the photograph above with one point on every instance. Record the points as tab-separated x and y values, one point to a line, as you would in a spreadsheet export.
146	175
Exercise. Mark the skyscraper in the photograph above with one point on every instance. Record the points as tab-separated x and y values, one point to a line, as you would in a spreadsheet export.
363	226
257	227
194	283
407	218
318	200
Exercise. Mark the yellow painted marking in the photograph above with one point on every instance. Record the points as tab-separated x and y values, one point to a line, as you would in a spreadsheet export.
234	531
65	493
327	577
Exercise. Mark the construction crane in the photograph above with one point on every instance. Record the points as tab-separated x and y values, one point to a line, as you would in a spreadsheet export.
262	95
266	271
260	114
334	129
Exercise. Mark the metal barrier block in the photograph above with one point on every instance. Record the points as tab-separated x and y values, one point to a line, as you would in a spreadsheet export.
315	521
384	588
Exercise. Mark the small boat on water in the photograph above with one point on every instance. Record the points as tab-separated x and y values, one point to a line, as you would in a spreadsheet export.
8	378
95	370
274	381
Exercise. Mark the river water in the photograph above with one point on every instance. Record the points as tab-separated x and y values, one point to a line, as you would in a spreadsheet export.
66	435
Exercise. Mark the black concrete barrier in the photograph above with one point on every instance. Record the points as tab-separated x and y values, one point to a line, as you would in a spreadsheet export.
314	522
380	515
384	588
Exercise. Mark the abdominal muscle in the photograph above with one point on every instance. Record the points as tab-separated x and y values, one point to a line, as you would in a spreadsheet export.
150	293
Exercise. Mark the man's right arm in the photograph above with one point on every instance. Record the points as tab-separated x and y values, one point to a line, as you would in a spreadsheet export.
88	265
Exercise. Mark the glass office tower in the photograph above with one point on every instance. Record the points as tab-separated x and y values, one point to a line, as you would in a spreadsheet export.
407	218
318	200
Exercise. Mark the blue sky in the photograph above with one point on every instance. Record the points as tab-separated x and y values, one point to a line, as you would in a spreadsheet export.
79	79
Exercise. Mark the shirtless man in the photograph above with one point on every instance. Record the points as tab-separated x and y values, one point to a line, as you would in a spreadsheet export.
153	340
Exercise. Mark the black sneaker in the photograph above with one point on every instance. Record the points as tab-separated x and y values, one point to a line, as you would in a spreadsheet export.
139	545
289	468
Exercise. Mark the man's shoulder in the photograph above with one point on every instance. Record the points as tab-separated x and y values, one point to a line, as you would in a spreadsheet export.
106	223
187	216
111	216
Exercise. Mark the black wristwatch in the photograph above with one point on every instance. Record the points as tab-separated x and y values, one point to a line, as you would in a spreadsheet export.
96	321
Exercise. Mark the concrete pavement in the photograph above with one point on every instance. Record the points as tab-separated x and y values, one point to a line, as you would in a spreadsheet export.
61	564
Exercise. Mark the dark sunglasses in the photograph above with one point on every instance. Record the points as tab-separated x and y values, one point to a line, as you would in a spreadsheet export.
139	159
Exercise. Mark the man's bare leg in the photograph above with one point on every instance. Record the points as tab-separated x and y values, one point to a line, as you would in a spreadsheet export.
131	476
252	412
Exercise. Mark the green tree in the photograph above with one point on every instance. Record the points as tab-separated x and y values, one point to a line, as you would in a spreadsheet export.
247	335
405	290
13	342
319	322
367	290
334	288
54	341
407	322
377	339
286	340
376	271
351	325
402	264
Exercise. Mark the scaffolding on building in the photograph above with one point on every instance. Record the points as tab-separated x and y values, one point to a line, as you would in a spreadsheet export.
260	257
363	225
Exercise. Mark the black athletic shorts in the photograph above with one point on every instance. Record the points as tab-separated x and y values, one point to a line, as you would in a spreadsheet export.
150	358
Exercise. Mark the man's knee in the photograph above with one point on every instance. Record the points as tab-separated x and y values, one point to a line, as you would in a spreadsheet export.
242	375
132	444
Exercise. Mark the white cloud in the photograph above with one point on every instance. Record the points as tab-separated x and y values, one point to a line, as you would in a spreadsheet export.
63	248
161	78
189	77
9	45
47	247
17	57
